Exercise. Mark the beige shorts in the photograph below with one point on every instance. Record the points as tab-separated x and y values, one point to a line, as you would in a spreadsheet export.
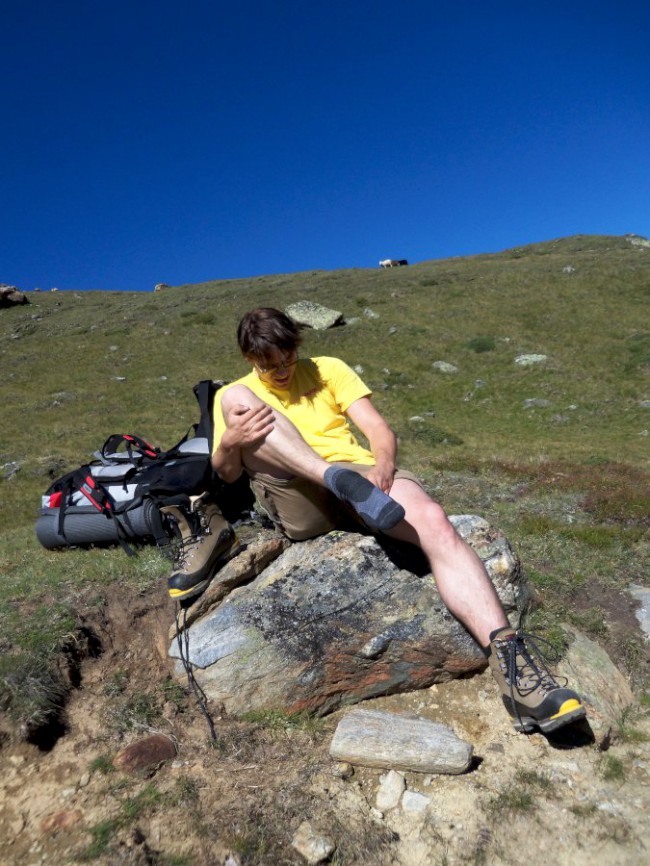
301	509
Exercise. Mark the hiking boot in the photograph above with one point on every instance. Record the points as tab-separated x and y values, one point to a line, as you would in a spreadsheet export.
530	693
207	541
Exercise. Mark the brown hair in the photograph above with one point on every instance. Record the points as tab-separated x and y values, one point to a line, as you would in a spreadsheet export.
265	329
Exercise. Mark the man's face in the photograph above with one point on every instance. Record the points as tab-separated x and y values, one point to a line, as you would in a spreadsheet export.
277	368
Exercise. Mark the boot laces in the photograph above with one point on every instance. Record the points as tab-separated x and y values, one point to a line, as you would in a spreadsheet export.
524	664
186	547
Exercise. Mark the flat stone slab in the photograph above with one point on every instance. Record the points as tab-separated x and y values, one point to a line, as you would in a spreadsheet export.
375	738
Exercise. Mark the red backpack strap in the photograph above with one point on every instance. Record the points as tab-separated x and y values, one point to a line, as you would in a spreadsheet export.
94	492
132	445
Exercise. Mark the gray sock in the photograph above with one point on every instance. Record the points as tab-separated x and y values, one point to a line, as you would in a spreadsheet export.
377	510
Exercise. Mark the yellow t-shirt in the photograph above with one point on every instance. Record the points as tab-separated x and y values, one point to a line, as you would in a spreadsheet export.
321	391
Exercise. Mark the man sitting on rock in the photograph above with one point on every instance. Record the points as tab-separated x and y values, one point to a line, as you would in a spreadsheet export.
286	424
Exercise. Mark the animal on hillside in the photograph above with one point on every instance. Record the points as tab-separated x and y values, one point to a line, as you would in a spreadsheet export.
393	263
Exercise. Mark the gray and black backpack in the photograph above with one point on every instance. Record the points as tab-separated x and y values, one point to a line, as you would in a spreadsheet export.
117	497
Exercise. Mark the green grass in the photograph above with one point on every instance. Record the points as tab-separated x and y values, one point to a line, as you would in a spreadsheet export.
276	720
568	483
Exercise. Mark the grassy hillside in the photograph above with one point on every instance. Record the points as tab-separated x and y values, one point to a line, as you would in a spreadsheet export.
565	475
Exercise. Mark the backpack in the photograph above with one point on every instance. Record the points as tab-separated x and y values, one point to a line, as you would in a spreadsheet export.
116	498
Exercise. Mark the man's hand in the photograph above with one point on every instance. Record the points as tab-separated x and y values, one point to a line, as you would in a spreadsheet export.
247	427
382	475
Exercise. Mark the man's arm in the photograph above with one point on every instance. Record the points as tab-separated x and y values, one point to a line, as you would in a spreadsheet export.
381	439
245	428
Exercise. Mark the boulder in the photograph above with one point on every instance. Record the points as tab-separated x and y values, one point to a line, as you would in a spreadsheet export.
145	753
314	315
339	619
591	672
10	296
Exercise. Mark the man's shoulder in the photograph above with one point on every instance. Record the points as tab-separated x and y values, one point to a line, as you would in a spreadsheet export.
328	362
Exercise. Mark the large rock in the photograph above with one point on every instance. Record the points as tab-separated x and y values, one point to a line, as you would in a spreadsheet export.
10	296
314	315
339	619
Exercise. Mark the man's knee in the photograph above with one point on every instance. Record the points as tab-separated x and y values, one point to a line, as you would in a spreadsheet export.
238	395
432	517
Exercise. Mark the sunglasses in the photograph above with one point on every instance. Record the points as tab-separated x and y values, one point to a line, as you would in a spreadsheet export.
292	361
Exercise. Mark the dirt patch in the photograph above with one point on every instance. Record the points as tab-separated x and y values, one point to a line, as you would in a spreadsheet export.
241	797
610	616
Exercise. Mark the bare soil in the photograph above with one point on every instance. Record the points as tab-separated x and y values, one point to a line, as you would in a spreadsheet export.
580	799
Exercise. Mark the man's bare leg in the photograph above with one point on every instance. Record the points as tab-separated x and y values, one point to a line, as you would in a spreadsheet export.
463	583
284	453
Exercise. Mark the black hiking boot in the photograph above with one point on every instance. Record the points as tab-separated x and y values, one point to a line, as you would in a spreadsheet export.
530	693
206	542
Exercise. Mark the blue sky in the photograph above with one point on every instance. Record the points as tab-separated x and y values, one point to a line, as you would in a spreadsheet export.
178	142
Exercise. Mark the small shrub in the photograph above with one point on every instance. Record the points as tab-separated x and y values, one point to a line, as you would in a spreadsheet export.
433	436
626	730
534	779
174	693
638	352
190	319
31	691
102	764
148	798
102	834
481	344
116	684
591	621
512	800
276	720
612	769
186	792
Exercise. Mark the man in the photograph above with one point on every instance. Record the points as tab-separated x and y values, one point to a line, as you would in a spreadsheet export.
286	424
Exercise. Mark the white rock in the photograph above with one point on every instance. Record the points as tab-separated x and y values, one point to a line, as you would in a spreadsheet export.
313	847
390	790
529	360
444	367
412	801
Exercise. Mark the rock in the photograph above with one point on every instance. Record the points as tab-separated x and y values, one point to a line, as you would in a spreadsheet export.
415	803
61	820
145	754
642	594
529	360
444	367
391	788
375	738
10	296
370	314
8	470
314	315
597	680
313	846
637	240
536	403
339	619
343	770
